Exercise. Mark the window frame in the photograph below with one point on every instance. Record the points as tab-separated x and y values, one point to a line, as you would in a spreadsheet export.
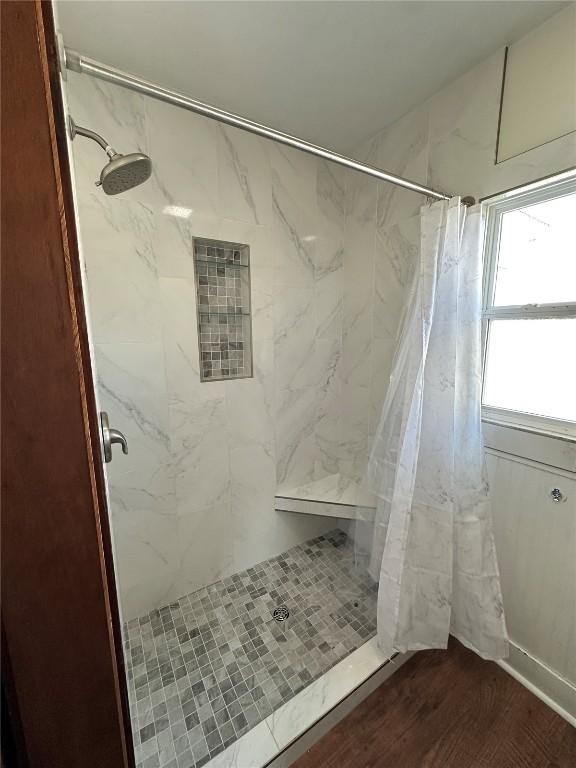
496	207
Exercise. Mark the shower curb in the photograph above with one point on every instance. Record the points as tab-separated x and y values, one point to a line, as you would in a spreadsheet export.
338	712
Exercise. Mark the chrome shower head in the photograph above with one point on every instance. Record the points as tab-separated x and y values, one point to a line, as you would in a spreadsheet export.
123	171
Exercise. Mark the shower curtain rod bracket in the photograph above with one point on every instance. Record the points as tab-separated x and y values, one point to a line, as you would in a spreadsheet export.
72	60
84	65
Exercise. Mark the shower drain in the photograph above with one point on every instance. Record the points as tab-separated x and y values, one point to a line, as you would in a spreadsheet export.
281	613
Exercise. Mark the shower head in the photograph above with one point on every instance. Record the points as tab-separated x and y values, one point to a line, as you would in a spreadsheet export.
123	171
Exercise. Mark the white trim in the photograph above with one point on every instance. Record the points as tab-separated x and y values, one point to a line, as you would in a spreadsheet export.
535	192
524	444
530	311
530	422
555	691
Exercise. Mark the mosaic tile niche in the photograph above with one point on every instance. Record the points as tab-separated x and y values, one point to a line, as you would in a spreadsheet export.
222	272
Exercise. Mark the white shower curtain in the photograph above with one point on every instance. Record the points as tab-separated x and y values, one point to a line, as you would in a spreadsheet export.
431	546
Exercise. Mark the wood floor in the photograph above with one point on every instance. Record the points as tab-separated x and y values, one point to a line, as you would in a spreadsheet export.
447	709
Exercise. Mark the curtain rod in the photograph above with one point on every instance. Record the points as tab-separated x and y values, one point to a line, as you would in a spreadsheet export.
78	63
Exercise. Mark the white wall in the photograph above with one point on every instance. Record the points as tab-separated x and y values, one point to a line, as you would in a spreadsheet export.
536	540
194	499
449	143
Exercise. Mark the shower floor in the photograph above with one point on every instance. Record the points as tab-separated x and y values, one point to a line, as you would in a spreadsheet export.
207	668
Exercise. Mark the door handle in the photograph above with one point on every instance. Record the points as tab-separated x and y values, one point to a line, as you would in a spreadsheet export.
109	437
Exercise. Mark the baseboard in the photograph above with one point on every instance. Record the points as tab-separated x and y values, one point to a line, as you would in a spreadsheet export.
553	690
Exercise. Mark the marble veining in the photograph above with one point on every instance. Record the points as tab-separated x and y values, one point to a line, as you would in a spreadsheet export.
244	175
297	247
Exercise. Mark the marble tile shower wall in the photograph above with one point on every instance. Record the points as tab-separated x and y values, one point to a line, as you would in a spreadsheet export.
194	499
381	247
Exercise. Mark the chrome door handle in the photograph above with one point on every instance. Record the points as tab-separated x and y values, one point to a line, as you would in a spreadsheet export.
109	437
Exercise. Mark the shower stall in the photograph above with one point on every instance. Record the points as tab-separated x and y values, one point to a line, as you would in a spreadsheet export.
244	298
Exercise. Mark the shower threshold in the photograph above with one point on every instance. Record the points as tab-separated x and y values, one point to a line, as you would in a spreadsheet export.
330	496
215	669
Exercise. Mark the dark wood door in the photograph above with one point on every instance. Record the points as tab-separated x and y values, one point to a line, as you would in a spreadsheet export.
63	685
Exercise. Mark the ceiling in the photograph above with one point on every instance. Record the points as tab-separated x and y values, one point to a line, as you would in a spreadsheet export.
333	73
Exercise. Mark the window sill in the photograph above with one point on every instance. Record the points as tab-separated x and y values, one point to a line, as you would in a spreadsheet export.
527	423
530	441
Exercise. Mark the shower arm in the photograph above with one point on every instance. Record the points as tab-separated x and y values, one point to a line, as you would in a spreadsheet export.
74	61
77	130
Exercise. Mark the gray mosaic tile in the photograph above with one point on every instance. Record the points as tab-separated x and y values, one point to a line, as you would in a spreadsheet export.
223	303
207	668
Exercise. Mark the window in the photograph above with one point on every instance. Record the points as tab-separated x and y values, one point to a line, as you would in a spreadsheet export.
530	307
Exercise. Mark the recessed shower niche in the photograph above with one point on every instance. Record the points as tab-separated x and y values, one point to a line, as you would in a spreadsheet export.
222	272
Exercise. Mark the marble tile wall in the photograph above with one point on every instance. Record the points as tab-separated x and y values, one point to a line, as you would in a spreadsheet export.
194	499
381	248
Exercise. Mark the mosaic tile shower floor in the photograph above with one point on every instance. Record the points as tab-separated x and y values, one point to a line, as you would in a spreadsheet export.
206	669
